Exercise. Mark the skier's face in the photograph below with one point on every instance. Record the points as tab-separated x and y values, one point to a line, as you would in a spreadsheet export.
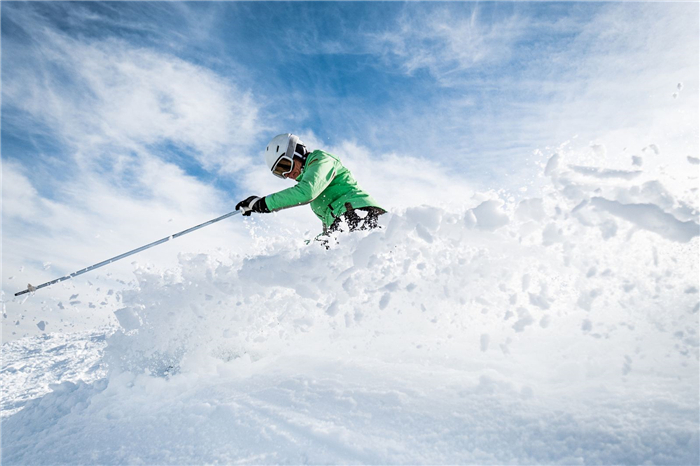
296	170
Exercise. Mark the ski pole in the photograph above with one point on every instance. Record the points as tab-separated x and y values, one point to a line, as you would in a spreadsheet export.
31	288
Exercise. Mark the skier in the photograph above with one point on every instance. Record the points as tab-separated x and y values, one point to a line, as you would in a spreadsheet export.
322	181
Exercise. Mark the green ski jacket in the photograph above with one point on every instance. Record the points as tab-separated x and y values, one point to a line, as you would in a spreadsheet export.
325	184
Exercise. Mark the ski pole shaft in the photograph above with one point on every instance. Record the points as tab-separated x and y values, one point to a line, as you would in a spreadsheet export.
31	288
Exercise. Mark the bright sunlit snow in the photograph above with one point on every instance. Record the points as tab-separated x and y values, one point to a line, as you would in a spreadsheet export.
560	328
532	295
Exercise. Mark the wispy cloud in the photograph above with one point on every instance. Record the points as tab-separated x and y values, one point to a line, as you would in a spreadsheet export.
493	83
448	41
479	87
103	95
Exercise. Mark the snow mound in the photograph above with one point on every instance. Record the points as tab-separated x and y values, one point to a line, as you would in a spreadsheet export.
31	366
560	328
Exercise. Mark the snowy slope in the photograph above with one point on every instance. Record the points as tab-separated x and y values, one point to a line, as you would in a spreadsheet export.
559	328
31	366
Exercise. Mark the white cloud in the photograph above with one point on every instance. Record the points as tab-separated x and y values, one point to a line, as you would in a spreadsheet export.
608	76
102	94
446	42
398	182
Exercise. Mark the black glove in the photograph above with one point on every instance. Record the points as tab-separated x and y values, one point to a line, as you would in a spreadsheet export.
253	204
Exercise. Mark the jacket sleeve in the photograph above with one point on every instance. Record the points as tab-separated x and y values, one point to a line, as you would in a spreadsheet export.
317	176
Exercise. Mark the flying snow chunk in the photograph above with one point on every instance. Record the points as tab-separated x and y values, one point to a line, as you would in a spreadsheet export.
470	219
530	209
384	301
526	281
423	233
604	173
650	217
551	235
524	319
41	325
694	160
489	215
484	341
128	319
586	298
333	309
653	147
637	161
542	299
586	325
598	149
552	164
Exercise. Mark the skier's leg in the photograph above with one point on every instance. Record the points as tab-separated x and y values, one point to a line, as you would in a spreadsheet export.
371	217
353	220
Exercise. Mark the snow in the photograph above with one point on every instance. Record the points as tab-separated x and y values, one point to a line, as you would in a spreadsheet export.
489	215
606	173
552	164
343	413
531	209
650	217
653	147
556	328
128	318
31	366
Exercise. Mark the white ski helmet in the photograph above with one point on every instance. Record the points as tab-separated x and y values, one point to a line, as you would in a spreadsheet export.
280	152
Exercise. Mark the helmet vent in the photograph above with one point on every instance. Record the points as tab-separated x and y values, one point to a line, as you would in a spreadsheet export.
278	148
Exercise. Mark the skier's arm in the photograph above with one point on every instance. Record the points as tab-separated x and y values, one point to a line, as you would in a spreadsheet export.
317	176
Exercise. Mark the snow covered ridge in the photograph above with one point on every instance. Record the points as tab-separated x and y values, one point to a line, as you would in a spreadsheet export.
561	328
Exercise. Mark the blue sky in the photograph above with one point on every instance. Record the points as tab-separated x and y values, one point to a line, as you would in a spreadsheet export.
465	84
439	81
122	121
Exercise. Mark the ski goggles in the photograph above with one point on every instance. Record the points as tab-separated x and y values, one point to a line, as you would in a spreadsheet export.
283	166
285	163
